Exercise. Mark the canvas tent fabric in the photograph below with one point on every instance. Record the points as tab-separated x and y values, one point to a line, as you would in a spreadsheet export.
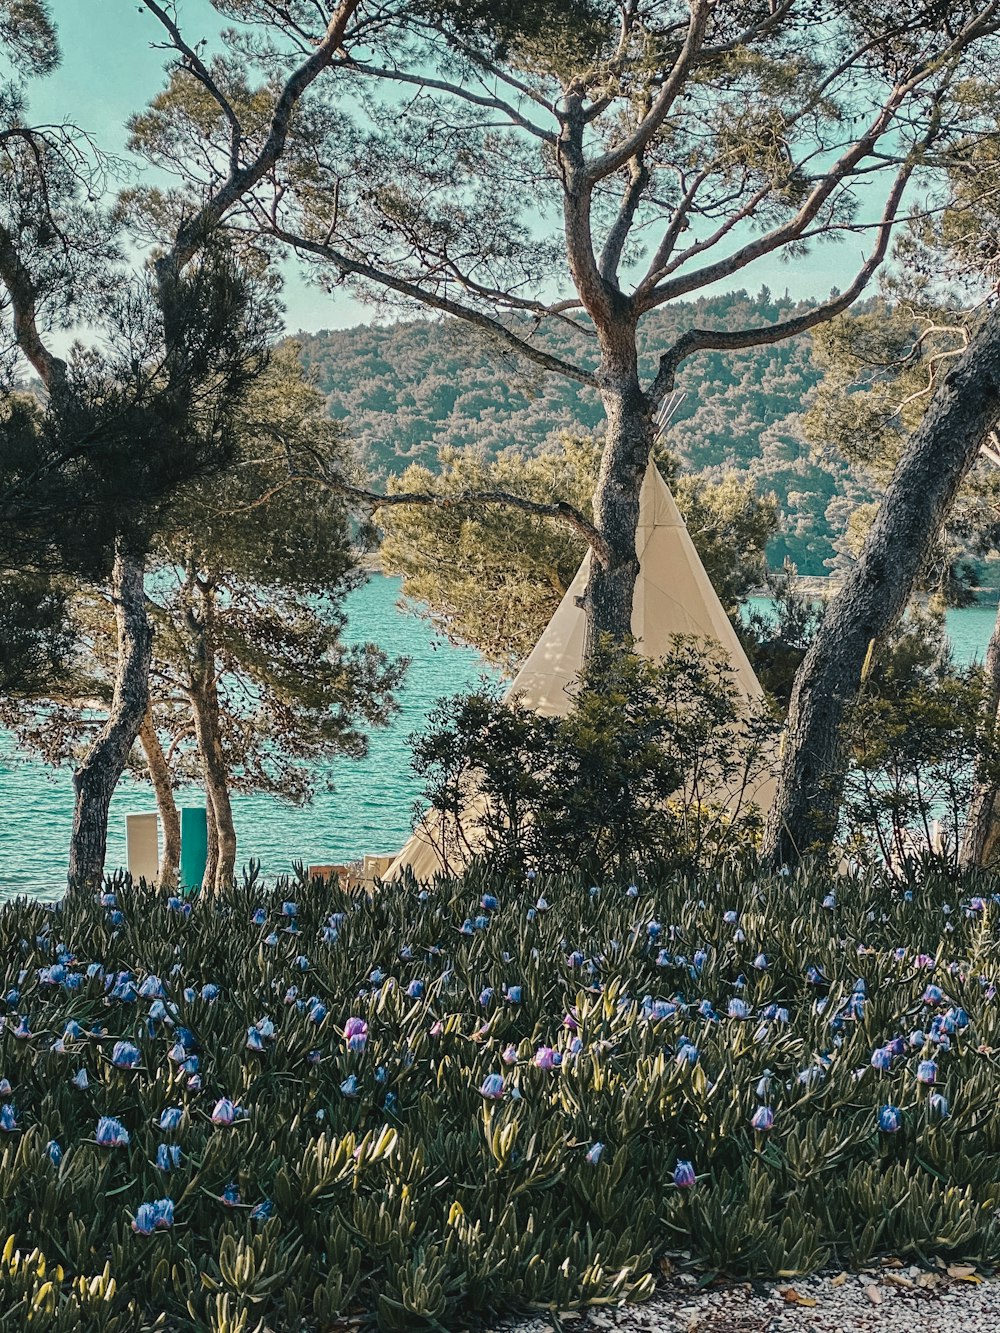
673	595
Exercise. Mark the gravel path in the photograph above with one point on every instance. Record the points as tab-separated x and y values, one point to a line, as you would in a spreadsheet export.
886	1300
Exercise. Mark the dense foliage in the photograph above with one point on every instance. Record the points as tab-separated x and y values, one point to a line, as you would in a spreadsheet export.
406	390
432	1104
653	760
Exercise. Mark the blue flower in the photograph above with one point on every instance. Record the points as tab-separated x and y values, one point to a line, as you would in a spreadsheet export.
889	1119
489	902
318	1012
513	994
761	962
260	1212
210	991
415	989
125	1055
594	1154
493	1087
486	996
54	1152
255	1042
684	1175
259	916
738	1008
881	1058
349	1087
230	1196
8	1119
289	909
152	989
155	1216
390	1103
762	1119
168	1156
927	1071
111	1133
170	1118
933	995
80	1080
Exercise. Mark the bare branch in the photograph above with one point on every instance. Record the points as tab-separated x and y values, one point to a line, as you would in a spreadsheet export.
614	244
697	340
495	327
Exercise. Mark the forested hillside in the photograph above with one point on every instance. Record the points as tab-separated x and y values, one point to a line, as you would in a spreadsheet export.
407	389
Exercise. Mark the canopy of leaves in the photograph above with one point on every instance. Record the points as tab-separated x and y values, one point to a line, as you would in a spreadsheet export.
493	576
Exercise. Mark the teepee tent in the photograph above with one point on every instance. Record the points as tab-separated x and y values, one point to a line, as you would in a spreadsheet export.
673	595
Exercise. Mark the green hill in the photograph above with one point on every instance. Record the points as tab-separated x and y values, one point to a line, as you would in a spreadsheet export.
406	389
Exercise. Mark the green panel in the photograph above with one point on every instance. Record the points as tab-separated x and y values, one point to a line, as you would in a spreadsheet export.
194	847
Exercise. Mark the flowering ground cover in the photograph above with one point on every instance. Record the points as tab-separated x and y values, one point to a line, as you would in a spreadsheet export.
429	1105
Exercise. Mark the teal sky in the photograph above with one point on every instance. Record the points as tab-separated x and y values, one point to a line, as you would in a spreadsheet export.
110	69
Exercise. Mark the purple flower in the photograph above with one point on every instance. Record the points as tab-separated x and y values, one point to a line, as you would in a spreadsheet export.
547	1058
927	1072
762	1119
111	1133
881	1058
509	1056
22	1032
933	995
493	1087
889	1119
125	1055
684	1176
356	1034
155	1216
594	1154
224	1112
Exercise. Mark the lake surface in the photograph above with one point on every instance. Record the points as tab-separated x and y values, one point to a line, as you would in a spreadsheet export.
371	805
368	811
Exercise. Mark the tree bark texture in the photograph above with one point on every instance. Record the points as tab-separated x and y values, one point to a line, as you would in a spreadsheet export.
163	789
981	841
965	407
627	444
97	777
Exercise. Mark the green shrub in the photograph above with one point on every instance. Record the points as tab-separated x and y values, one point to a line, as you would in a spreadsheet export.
398	1189
634	771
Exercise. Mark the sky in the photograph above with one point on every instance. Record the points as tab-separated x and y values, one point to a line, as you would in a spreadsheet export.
111	69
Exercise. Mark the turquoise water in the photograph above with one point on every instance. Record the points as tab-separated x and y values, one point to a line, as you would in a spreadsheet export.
369	809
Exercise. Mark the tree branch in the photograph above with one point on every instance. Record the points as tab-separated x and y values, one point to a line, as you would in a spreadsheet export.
639	139
697	340
614	244
360	269
560	510
190	235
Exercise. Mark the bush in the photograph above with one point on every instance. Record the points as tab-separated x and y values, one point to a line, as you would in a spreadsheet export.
632	773
626	1031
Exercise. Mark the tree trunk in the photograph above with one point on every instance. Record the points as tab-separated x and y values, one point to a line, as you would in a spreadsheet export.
964	408
208	733
97	777
627	445
159	775
981	841
212	843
